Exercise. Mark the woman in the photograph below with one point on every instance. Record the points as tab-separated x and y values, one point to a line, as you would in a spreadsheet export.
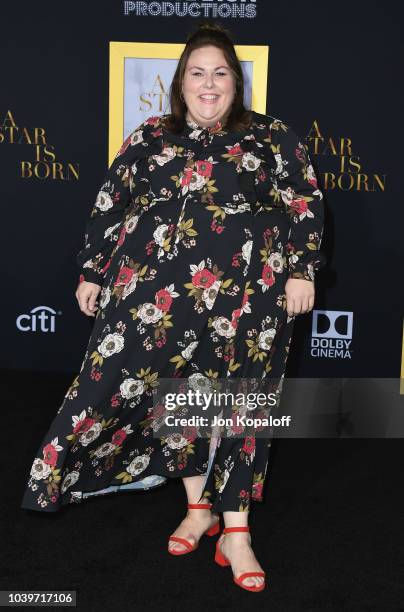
202	245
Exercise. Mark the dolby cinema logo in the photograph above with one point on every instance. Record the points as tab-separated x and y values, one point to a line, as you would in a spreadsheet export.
331	334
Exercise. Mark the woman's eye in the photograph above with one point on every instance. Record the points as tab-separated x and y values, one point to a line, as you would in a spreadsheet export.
219	73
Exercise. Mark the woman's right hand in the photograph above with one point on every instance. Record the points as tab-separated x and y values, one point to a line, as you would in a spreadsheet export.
86	294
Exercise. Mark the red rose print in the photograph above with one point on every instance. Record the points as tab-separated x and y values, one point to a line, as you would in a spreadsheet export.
300	154
236	150
105	268
203	278
235	315
268	275
122	234
154	120
187	176
163	300
299	205
50	455
83	425
249	445
190	433
124	276
204	168
257	490
119	437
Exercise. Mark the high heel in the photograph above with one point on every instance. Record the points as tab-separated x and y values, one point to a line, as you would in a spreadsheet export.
189	546
224	562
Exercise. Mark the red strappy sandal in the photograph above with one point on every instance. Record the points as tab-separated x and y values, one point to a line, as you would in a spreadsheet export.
224	562
190	547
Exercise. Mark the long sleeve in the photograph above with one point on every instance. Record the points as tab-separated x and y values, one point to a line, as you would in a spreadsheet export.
113	199
296	184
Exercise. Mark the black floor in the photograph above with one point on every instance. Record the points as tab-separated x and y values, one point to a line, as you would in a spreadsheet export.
329	534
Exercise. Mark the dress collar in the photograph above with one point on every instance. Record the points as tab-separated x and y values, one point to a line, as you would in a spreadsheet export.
199	132
218	132
192	124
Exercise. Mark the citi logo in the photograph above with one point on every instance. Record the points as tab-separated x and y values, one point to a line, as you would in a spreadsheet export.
331	334
40	319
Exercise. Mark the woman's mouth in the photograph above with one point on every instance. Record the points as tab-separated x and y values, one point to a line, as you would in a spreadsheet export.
209	98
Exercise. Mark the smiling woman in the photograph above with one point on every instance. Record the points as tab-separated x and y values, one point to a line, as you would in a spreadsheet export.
202	244
208	86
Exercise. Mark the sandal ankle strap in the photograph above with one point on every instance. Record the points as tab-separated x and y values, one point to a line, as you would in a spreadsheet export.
196	506
230	529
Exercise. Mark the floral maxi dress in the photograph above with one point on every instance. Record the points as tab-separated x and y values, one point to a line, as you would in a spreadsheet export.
192	238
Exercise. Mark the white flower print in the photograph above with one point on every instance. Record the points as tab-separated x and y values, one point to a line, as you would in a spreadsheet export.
91	434
131	387
279	163
197	182
246	250
112	343
310	271
109	230
104	201
199	382
138	465
176	441
129	287
209	294
40	469
105	296
131	223
250	161
166	155
224	327
226	475
136	137
69	480
287	195
275	260
265	338
310	173
189	351
105	449
160	234
149	313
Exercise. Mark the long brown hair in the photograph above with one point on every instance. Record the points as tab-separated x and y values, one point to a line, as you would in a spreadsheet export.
208	33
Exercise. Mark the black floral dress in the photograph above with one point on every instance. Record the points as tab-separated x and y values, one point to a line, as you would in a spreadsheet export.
192	238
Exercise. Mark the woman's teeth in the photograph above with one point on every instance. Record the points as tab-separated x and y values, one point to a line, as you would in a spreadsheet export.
209	99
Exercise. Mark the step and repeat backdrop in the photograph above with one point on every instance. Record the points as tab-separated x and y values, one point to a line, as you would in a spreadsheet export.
77	77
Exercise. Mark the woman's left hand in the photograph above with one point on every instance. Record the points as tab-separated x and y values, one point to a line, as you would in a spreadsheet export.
299	296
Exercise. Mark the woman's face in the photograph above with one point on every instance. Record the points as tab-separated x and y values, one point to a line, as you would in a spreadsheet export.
208	86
